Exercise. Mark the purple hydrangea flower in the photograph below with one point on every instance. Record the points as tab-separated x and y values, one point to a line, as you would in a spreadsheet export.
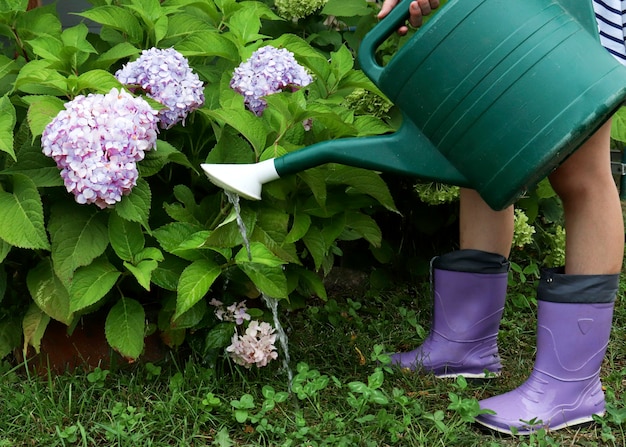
165	76
269	70
96	142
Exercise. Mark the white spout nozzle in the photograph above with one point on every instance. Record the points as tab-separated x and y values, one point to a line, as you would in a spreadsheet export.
246	180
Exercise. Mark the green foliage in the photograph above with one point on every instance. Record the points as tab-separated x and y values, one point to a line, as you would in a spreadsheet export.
174	242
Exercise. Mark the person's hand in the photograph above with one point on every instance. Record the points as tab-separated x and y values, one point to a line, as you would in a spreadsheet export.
417	10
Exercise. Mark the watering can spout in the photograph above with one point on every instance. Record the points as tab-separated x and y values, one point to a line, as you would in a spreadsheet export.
246	180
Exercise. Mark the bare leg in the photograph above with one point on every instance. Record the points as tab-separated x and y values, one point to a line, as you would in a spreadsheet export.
482	228
593	216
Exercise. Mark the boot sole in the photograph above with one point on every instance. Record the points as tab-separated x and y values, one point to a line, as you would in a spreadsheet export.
486	376
529	431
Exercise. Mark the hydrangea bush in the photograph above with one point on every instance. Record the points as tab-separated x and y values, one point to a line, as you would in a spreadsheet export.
103	207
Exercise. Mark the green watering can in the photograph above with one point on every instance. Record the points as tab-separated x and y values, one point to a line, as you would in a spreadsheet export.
494	95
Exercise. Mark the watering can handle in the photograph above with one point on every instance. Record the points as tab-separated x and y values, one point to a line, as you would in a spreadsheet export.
377	35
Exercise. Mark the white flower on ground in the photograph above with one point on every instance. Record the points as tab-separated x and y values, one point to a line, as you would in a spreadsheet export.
255	346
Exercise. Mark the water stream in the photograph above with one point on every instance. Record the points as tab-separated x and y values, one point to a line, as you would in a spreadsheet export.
270	302
233	198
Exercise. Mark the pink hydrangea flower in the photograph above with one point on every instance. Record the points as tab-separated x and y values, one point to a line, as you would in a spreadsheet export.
96	142
165	76
269	70
255	346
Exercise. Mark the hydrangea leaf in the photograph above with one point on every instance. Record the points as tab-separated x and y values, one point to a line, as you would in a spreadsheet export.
97	81
207	44
21	215
125	327
42	109
245	25
117	18
7	123
299	227
194	283
5	248
136	206
314	242
228	235
34	325
142	271
346	8
10	336
120	51
48	292
265	270
78	240
168	271
36	78
364	226
91	283
250	126
364	182
126	237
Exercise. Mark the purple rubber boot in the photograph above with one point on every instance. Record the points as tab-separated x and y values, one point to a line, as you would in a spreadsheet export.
564	387
469	290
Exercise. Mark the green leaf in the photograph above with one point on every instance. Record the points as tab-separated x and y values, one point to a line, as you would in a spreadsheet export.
41	111
312	282
21	215
34	325
247	123
76	37
117	18
299	227
7	123
10	336
32	163
362	181
156	159
5	248
76	240
245	25
91	283
618	125
168	272
346	8
228	235
194	283
127	238
207	44
365	227
316	245
97	81
265	270
124	328
142	271
192	317
136	206
37	78
120	51
47	47
219	336
48	292
341	62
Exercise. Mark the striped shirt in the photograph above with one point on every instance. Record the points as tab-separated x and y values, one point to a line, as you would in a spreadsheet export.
611	18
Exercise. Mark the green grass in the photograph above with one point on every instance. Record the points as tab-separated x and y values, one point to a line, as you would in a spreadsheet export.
342	394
